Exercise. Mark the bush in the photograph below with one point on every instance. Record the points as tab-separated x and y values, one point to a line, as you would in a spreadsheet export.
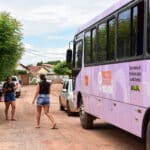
62	69
20	72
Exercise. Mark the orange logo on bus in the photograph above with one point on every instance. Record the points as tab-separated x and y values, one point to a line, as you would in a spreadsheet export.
106	77
86	80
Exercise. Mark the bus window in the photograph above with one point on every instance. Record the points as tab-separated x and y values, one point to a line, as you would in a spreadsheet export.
78	54
134	31
123	43
149	30
94	50
102	41
111	40
130	32
137	29
87	52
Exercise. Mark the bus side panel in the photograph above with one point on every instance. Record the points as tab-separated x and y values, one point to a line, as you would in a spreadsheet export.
146	83
117	114
136	82
96	81
96	109
120	79
87	81
137	114
124	116
117	93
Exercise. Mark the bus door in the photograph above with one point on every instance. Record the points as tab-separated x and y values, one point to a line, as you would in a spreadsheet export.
77	64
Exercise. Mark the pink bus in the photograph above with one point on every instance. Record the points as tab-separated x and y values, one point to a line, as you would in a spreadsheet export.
111	68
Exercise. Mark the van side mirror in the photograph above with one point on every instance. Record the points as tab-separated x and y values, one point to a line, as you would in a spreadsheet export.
69	56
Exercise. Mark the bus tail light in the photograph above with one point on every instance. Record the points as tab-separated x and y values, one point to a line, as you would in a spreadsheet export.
139	111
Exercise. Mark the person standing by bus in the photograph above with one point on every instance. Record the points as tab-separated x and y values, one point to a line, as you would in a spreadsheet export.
42	100
9	97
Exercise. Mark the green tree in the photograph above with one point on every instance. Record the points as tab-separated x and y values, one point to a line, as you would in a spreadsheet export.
53	62
39	63
48	62
62	69
11	46
19	72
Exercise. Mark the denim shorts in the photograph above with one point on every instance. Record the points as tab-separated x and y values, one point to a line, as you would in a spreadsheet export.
9	97
43	99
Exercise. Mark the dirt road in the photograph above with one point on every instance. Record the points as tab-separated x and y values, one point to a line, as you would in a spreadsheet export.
21	134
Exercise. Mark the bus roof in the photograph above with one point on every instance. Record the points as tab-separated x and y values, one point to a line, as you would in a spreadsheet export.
105	13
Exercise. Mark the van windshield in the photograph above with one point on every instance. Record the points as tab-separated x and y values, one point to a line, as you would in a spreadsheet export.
14	79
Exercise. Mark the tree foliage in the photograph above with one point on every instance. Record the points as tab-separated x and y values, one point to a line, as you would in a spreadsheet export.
53	62
62	69
48	62
19	72
39	63
11	47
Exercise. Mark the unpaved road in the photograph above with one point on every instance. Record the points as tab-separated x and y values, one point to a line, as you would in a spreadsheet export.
21	134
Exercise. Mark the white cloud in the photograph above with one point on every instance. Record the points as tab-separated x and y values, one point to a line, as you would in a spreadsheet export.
28	46
50	17
45	16
33	55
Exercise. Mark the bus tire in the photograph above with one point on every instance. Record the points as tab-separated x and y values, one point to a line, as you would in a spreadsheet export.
148	137
85	118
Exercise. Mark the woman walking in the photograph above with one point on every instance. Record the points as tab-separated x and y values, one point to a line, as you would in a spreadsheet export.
43	101
9	97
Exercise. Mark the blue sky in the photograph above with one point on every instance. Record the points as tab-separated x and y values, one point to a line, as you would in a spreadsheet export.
48	25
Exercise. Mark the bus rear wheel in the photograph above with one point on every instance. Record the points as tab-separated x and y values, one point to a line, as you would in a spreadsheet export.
148	137
85	118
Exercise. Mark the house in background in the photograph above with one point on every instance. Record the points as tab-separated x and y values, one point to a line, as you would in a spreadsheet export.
22	67
49	69
33	70
43	69
24	77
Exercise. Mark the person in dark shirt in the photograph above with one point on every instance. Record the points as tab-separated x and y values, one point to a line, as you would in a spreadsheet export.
42	100
9	97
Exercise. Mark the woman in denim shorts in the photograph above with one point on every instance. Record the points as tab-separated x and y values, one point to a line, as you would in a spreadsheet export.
43	101
9	97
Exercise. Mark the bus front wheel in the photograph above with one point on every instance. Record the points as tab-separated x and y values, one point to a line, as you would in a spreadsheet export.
85	118
148	137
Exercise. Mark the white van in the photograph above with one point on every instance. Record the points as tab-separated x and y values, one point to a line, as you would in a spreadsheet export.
17	83
66	97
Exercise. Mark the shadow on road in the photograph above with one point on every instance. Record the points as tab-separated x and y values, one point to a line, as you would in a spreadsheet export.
119	135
